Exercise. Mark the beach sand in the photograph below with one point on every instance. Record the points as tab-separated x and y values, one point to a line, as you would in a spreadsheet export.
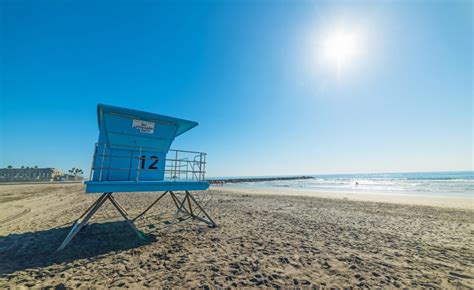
396	198
263	239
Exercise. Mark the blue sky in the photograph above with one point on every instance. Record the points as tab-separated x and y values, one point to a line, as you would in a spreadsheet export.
252	73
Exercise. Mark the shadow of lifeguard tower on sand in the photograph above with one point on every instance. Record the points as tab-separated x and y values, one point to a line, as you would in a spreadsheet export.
133	154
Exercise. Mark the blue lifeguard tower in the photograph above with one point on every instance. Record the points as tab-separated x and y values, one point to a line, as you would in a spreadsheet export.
133	154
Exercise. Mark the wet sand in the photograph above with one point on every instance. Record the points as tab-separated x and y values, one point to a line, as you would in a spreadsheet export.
263	240
396	198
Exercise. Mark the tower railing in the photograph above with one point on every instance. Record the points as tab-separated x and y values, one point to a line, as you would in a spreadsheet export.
180	165
185	165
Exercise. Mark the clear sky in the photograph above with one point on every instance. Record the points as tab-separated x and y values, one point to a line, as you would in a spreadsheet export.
278	87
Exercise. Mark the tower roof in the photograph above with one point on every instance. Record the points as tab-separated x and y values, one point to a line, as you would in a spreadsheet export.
181	124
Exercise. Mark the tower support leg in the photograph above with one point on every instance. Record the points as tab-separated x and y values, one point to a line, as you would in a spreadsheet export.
125	216
151	205
184	206
87	215
181	207
211	223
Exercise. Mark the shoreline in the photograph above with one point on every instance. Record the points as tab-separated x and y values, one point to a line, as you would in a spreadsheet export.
395	198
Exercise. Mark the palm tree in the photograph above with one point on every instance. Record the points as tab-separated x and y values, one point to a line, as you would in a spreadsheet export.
76	171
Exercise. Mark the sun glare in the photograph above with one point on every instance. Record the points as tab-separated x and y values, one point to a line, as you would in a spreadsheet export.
340	48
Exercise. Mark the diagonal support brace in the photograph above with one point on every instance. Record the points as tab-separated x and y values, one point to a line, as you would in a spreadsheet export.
87	215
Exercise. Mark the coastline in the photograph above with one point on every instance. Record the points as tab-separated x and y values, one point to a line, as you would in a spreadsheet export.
394	198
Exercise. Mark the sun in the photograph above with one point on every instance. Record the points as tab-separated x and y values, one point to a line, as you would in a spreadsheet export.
340	48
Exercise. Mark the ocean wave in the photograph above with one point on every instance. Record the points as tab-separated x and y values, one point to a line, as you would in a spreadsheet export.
433	183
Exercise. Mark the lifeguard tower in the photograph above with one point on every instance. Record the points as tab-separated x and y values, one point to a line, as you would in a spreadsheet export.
133	154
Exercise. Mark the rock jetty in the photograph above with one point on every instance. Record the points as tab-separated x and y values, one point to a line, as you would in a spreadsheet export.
255	179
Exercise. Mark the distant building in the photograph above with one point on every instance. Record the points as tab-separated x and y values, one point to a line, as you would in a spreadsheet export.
71	177
29	174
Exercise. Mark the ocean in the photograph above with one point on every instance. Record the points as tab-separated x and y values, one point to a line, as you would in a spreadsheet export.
460	184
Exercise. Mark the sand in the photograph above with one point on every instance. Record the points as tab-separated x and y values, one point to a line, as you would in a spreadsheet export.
396	198
263	240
